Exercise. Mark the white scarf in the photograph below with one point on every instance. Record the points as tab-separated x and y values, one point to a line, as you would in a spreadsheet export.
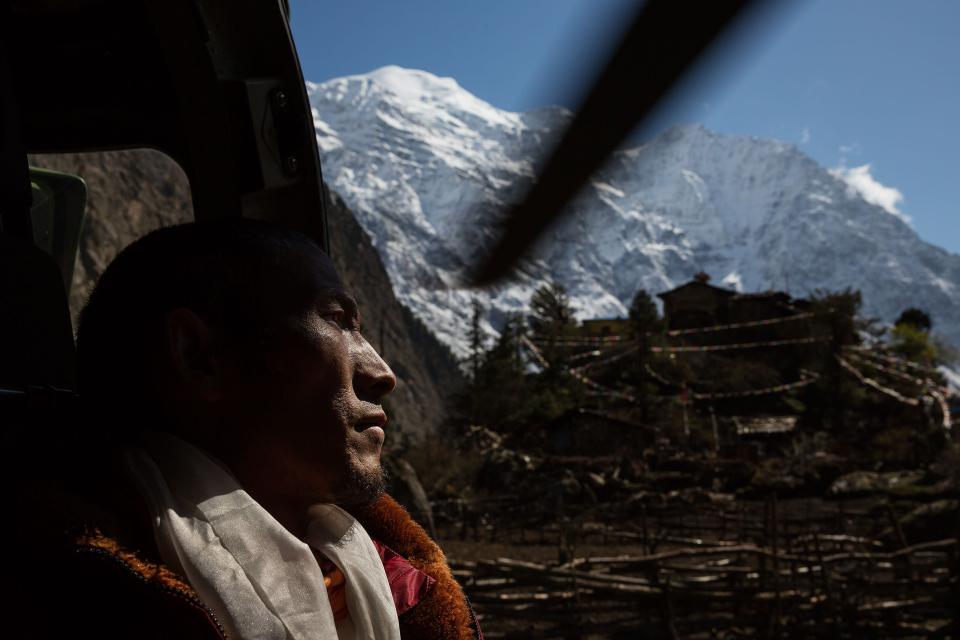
259	580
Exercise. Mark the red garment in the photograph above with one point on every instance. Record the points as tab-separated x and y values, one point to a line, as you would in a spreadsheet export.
407	583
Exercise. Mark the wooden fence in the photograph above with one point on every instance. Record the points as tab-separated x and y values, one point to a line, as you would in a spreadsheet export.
798	569
725	591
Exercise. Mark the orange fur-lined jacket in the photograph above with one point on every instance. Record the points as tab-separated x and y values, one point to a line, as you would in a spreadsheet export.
101	577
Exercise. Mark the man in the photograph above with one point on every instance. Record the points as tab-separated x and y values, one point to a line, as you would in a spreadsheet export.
236	487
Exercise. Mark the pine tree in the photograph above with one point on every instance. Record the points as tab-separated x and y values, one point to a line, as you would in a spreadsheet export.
550	311
916	318
644	320
476	338
497	392
835	318
644	315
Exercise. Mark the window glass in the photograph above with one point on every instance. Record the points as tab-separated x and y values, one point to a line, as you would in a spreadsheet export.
129	193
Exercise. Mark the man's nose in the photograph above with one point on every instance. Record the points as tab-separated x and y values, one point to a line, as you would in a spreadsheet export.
373	378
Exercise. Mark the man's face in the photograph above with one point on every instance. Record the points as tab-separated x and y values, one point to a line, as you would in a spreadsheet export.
307	423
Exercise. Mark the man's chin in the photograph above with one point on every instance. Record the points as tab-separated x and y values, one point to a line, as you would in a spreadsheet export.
362	486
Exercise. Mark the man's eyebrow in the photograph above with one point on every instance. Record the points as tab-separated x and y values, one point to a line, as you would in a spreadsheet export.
349	304
345	300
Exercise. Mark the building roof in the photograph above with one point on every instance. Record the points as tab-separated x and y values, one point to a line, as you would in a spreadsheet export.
776	296
699	284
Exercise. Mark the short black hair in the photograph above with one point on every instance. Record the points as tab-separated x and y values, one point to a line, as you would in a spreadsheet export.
237	274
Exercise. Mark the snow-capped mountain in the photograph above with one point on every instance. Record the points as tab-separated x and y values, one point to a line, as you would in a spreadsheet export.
427	167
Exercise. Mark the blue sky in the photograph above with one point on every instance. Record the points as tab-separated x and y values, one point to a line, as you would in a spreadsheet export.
851	82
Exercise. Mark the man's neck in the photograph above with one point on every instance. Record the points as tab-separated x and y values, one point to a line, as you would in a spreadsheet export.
257	481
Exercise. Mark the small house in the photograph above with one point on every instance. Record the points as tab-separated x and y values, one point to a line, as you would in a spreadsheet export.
695	304
761	436
767	305
602	327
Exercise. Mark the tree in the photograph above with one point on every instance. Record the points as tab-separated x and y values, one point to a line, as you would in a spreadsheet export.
505	393
503	362
913	343
644	315
835	318
910	337
498	382
644	319
916	318
476	338
550	311
837	313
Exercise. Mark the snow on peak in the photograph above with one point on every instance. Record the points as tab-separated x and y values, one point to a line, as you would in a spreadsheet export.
421	91
428	168
413	85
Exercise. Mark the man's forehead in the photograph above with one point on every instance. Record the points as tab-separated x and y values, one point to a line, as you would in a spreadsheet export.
325	273
327	284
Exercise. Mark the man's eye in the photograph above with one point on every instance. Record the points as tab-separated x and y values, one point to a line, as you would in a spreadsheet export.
339	317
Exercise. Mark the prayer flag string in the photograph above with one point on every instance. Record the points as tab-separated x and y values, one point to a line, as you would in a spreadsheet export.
739	325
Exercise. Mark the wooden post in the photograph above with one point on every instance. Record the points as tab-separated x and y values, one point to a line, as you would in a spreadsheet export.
775	612
907	565
788	538
562	541
641	374
671	627
716	432
646	532
723	523
741	508
765	542
955	590
895	525
825	579
684	400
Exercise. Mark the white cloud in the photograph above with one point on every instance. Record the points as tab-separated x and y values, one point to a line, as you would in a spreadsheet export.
846	149
870	189
805	136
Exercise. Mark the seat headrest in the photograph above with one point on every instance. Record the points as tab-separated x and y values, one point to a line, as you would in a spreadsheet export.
36	335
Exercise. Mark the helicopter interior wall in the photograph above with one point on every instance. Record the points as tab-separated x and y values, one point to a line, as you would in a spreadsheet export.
36	336
181	76
197	79
89	75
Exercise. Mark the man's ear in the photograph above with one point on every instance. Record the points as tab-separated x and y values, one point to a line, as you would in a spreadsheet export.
191	353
